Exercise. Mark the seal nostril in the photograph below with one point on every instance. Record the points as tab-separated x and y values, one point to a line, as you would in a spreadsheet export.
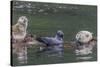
87	35
24	21
79	38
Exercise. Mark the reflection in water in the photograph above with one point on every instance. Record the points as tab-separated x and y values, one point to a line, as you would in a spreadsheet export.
85	50
84	58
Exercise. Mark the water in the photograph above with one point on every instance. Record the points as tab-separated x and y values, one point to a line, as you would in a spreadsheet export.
69	20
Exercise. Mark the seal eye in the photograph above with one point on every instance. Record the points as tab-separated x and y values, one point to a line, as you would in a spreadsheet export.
87	35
